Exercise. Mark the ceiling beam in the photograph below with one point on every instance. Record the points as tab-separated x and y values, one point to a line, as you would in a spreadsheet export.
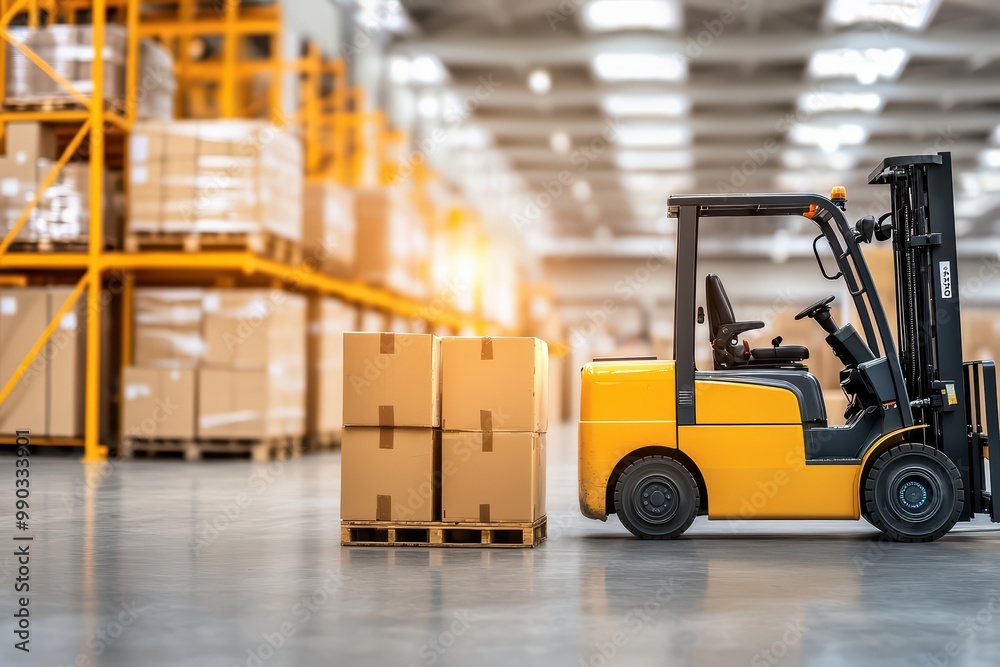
562	48
737	93
754	124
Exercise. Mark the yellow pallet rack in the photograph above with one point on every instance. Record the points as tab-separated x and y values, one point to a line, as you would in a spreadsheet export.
333	123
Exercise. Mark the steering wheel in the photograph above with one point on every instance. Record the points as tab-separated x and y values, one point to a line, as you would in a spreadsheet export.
816	308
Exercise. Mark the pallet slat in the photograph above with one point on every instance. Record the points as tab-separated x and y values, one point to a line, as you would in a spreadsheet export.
264	244
440	534
195	450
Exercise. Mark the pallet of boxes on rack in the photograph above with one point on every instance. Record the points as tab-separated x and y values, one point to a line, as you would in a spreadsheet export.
61	219
206	185
217	371
49	399
444	441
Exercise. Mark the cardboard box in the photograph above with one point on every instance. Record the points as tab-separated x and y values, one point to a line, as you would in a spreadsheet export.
158	402
66	357
250	404
254	328
328	228
23	318
492	477
494	384
391	474
168	327
392	379
329	320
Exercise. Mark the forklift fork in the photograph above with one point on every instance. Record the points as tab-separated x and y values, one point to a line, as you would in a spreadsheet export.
981	410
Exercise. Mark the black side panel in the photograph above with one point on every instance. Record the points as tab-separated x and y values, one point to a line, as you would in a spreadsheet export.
684	311
834	444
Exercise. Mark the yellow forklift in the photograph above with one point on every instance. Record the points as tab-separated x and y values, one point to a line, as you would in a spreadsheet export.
662	442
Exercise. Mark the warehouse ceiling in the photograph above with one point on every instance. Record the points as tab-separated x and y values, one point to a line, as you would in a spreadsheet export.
602	109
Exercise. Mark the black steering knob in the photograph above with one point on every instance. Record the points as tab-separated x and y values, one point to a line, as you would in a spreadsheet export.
820	311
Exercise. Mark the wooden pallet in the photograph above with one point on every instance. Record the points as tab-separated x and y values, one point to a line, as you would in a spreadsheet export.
195	450
264	244
440	534
44	104
52	245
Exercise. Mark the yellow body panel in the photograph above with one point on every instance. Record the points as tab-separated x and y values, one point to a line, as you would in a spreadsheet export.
760	472
734	403
624	406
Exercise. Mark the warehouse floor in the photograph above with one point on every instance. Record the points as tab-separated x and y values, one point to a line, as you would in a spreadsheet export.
127	570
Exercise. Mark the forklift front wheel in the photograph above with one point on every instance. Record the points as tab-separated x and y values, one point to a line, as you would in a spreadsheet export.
657	498
913	493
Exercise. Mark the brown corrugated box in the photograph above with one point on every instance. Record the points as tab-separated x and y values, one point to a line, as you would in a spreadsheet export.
392	379
158	402
66	362
168	327
249	404
250	328
492	477
23	317
328	228
498	384
48	400
390	474
328	321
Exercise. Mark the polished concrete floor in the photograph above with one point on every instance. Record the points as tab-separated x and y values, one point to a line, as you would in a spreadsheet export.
226	563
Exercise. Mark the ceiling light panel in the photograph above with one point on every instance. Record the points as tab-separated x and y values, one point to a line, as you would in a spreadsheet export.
652	136
646	160
645	105
821	102
828	137
865	65
640	66
911	14
607	15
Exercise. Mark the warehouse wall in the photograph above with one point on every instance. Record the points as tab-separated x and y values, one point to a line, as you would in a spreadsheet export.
318	21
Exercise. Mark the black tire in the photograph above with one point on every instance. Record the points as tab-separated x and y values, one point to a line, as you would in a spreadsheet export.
913	493
657	498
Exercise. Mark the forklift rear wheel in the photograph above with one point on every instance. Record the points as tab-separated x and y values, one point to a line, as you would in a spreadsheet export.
656	498
913	493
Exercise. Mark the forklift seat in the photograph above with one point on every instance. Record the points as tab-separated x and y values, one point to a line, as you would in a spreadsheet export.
720	312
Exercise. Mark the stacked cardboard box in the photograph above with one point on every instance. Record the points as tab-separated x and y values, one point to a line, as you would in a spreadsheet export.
223	176
328	229
392	440
329	320
391	242
494	414
48	400
228	363
67	49
63	210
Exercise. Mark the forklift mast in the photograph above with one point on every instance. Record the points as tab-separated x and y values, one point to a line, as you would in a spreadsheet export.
945	393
